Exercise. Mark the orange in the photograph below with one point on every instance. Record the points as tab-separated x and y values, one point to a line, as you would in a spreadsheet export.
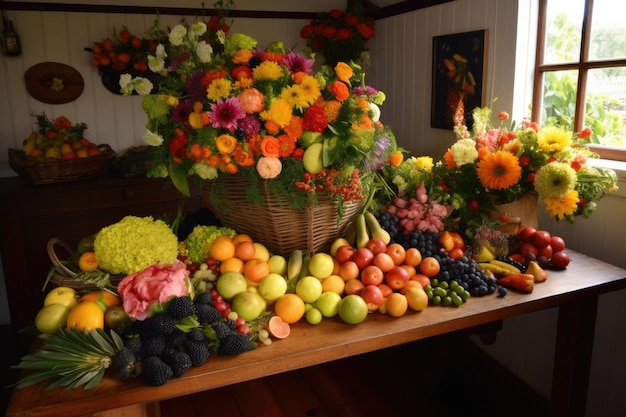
413	257
396	304
242	237
88	262
411	284
349	270
256	269
106	297
289	307
86	317
410	270
429	266
333	283
222	248
244	250
231	264
278	327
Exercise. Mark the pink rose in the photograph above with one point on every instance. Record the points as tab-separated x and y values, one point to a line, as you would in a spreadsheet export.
156	283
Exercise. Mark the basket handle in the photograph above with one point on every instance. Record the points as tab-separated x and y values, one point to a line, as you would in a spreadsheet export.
55	259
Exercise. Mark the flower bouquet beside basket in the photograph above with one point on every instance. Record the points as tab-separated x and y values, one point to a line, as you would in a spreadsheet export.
262	118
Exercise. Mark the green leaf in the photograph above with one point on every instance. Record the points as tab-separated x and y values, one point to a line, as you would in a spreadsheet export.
178	174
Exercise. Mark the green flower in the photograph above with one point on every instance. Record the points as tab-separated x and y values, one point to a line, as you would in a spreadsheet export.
554	180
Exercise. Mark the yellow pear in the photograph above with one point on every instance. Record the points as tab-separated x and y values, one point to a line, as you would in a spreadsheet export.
53	153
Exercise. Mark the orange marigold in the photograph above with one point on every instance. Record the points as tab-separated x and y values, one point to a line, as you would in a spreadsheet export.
287	146
270	147
295	127
225	143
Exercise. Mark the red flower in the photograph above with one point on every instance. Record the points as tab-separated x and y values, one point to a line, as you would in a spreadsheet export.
178	146
585	133
343	34
315	119
336	13
351	20
366	30
307	31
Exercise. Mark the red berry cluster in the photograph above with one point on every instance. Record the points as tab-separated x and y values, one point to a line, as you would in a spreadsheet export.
326	180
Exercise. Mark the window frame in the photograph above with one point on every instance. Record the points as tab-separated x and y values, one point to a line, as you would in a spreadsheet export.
582	66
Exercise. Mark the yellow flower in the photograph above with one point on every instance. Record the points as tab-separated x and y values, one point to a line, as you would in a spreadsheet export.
561	207
293	94
554	139
219	89
310	87
225	143
499	170
267	70
424	163
344	72
278	112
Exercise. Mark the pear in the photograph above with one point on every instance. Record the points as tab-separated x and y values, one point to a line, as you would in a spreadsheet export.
485	255
537	271
312	159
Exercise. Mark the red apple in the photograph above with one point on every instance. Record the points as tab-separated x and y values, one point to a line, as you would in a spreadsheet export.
396	278
363	257
376	245
373	297
344	253
383	261
372	275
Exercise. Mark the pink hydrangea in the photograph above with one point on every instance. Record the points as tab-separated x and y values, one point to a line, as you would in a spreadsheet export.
155	284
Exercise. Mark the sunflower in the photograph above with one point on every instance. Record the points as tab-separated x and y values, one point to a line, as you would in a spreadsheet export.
499	170
555	179
561	207
554	139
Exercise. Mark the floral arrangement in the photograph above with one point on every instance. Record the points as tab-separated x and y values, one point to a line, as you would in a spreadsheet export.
234	109
498	165
339	35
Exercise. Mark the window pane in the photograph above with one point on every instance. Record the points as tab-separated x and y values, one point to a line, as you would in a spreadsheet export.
608	33
563	30
605	108
559	98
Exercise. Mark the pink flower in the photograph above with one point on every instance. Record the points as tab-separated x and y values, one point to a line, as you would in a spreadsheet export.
155	284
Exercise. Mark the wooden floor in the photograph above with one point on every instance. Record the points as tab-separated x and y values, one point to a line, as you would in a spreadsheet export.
442	376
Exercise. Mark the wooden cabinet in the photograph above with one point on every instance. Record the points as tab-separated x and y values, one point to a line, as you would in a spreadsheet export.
32	215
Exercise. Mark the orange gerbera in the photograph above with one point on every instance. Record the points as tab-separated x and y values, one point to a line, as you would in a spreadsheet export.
499	170
270	146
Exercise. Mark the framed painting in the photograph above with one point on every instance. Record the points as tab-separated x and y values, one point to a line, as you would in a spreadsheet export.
459	70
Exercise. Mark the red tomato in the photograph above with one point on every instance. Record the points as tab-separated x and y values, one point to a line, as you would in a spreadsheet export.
557	243
527	248
372	275
546	251
526	233
560	259
541	239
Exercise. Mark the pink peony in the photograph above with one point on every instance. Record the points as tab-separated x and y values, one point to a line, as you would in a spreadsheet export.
155	284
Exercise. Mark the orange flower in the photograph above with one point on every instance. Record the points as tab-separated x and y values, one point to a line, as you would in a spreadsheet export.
62	122
344	71
396	159
242	56
254	144
270	147
331	109
225	143
287	146
272	127
295	127
242	157
340	90
449	158
499	170
232	168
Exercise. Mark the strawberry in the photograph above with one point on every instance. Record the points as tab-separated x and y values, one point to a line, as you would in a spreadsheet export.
520	282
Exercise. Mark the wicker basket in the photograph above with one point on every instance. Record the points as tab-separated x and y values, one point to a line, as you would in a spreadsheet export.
59	170
62	276
275	225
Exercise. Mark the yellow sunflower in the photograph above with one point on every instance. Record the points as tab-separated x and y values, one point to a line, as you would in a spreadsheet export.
561	207
499	170
554	139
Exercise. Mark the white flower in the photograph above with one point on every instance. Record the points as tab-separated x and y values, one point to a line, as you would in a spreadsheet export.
204	171
126	86
143	86
177	34
160	51
198	29
152	139
464	152
204	52
156	64
375	112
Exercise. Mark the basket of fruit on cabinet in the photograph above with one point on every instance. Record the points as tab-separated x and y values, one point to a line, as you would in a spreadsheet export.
58	152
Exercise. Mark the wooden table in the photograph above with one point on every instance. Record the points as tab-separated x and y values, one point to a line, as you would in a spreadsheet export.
574	291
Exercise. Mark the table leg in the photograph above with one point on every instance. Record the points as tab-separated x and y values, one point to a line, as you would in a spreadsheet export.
572	357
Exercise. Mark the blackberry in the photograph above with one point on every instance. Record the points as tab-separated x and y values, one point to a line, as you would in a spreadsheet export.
234	344
181	307
124	363
180	362
232	324
198	352
155	372
221	330
153	345
207	314
197	335
204	298
163	324
134	345
175	339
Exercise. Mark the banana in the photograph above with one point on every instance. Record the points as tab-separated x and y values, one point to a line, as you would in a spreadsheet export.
294	264
362	235
494	269
305	265
511	269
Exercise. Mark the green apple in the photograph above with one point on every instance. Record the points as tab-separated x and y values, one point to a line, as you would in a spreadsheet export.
321	265
352	309
230	284
51	318
278	264
248	305
309	289
272	287
61	295
328	303
312	158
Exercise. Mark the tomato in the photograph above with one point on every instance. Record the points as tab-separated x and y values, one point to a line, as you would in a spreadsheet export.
546	251
560	259
541	239
527	248
526	233
372	275
557	243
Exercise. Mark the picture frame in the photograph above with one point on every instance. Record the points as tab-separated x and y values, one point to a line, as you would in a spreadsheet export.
459	71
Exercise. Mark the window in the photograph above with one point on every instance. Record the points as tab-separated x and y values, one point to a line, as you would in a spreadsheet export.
580	78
